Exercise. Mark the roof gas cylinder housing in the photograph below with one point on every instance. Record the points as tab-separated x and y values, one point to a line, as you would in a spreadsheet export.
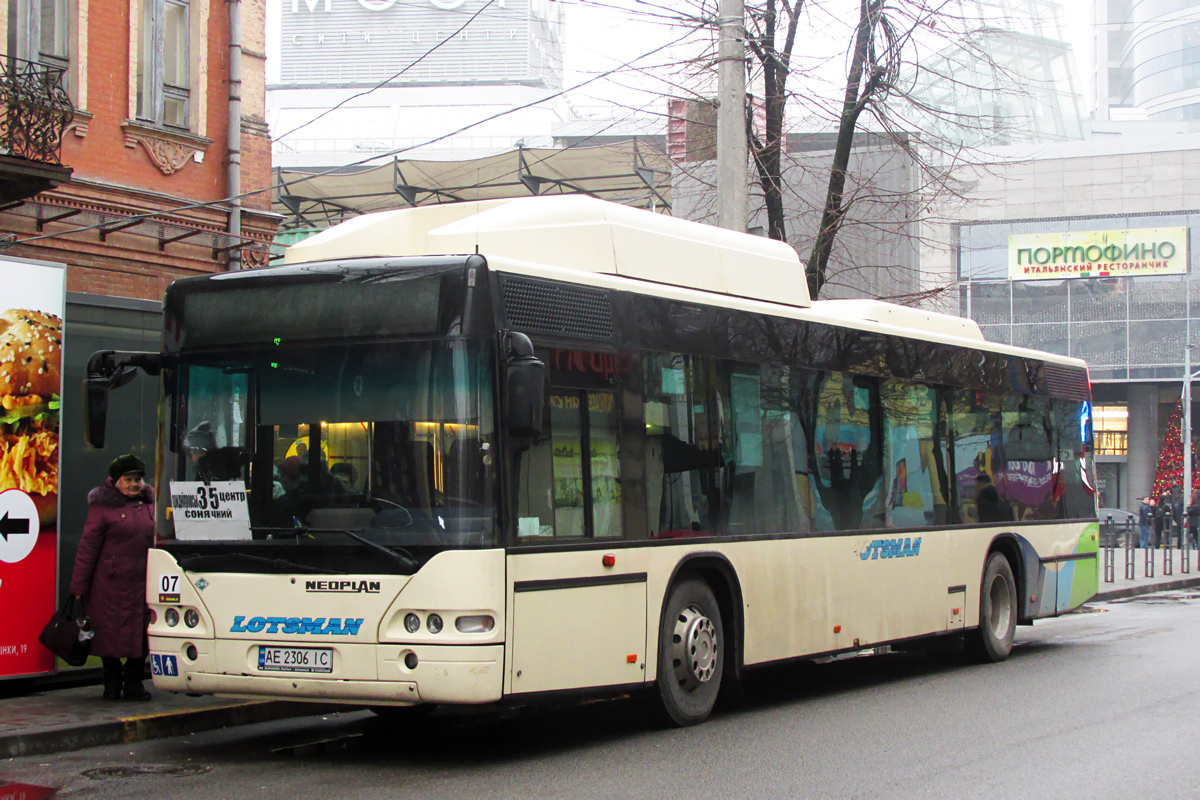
575	232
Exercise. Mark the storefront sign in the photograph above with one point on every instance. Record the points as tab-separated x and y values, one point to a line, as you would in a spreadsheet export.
30	389
1098	254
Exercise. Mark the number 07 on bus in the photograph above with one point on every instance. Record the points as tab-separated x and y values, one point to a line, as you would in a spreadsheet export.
499	452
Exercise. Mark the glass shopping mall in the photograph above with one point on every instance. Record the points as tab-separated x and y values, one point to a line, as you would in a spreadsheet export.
1117	291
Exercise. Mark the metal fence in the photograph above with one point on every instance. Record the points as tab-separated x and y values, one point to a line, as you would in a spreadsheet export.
1174	543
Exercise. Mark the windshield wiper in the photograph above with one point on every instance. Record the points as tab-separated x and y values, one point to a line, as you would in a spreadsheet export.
402	557
197	563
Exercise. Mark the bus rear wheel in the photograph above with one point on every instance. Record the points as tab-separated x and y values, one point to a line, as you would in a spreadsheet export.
691	653
993	640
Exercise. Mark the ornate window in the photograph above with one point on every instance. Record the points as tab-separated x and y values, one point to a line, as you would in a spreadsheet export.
163	63
41	33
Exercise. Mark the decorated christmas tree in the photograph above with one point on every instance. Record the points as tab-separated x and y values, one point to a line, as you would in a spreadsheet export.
1168	475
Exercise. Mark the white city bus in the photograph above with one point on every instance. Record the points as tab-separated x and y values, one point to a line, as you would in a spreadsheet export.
513	450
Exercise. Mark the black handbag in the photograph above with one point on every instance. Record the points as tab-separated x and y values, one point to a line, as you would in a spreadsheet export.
61	634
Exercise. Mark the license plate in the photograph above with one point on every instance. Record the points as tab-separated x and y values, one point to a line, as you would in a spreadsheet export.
295	659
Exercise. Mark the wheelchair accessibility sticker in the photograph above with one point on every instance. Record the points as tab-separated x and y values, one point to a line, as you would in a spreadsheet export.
164	665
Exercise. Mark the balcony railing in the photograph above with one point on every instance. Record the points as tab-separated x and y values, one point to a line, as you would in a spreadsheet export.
34	110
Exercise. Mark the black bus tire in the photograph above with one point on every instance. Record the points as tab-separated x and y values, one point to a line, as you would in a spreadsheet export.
691	653
992	641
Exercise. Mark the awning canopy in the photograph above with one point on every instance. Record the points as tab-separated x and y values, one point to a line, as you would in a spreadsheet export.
630	173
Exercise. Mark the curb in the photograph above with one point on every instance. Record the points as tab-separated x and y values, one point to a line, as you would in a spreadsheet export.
1150	588
155	726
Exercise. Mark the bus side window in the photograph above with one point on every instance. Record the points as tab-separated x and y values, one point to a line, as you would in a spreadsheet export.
1028	478
765	493
975	431
535	492
683	411
569	482
1073	423
914	458
846	451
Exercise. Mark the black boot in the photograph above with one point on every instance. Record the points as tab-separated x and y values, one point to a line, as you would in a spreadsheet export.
135	668
112	678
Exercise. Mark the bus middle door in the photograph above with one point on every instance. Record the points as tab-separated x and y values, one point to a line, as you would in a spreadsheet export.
577	621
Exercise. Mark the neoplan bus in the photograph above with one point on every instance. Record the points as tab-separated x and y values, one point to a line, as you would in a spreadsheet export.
513	450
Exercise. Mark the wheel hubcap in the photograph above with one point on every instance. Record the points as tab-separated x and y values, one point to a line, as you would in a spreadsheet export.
693	648
1001	607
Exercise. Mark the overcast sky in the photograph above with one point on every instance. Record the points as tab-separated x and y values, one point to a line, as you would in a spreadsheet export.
602	34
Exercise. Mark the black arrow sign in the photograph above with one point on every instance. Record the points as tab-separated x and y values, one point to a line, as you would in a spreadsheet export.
14	525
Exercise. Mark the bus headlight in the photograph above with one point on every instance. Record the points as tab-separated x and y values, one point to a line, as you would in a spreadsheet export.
412	623
172	617
477	623
191	618
434	623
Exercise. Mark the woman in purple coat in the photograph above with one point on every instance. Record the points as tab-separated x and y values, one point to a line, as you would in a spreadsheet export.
110	574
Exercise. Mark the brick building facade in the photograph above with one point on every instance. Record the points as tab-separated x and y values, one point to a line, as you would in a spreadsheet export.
150	81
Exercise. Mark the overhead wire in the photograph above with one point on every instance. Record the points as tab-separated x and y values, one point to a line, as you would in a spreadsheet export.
388	80
333	170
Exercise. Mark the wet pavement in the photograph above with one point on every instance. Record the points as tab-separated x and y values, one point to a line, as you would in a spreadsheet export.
39	719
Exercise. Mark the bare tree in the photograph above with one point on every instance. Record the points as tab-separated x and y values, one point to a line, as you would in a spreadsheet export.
874	66
906	63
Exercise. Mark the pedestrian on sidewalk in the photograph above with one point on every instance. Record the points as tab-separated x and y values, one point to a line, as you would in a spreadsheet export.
1145	520
1162	513
110	574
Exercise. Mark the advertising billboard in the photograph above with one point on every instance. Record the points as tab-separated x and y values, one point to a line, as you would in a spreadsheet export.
420	42
31	313
1098	254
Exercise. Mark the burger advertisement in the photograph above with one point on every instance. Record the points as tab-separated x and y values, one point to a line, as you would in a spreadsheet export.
31	336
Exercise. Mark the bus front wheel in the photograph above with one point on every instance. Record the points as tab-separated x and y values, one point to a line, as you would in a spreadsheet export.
993	640
691	653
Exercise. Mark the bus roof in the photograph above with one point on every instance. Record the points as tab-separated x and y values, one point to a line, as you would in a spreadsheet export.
580	233
576	233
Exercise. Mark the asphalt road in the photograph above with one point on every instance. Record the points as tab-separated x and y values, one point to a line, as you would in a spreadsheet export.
1100	704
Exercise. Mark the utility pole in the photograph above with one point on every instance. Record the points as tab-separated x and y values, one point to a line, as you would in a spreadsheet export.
1185	430
732	201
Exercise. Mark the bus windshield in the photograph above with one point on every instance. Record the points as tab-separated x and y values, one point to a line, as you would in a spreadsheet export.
391	440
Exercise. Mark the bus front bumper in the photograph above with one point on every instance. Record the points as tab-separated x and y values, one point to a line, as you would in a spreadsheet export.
363	673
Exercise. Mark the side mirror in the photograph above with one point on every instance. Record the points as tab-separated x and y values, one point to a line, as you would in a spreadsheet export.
106	370
526	382
95	410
